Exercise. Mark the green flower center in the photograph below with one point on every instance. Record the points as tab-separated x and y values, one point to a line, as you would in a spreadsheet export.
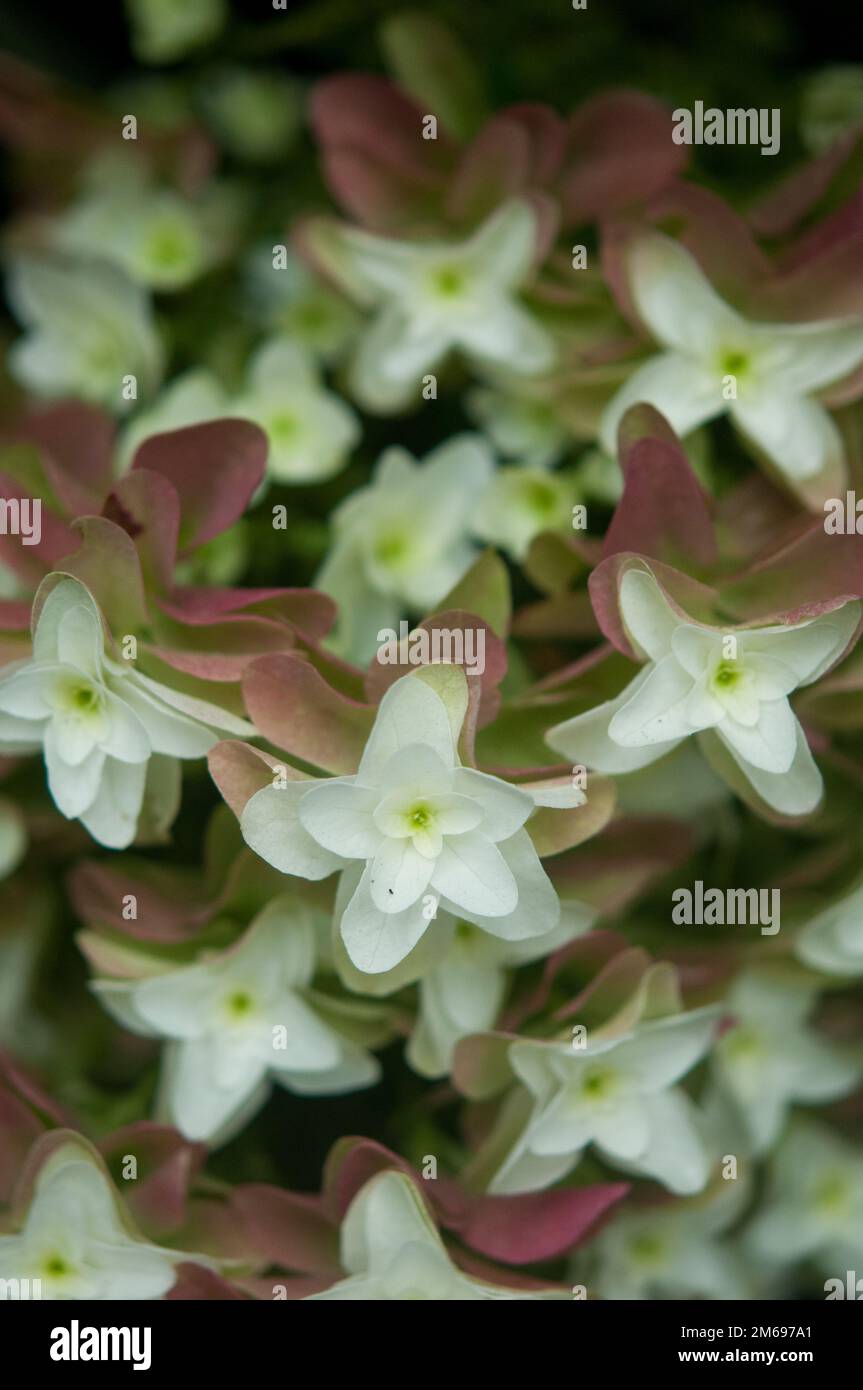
647	1248
727	675
449	281
541	498
168	247
283	427
240	1004
599	1084
833	1195
391	549
420	817
734	363
56	1267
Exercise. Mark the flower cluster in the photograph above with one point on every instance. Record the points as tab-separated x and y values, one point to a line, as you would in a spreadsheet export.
431	586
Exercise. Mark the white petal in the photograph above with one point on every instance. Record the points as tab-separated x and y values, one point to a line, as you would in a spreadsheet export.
585	738
112	817
73	788
797	434
809	356
383	1218
676	300
409	711
538	909
271	825
792	793
657	712
472	873
682	389
504	246
505	808
770	744
648	617
199	1105
338	814
398	875
377	941
127	738
80	639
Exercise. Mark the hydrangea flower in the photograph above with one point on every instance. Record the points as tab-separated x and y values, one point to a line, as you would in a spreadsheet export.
434	297
98	721
392	1252
618	1094
414	832
238	1020
690	684
833	940
77	1240
87	327
519	503
777	369
520	426
814	1208
404	541
770	1059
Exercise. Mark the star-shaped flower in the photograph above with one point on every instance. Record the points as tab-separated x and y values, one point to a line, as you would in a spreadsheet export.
833	940
765	375
414	831
691	685
392	1252
79	1243
97	719
617	1094
433	297
238	1021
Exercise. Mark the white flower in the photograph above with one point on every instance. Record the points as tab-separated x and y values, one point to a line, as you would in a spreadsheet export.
290	299
463	990
522	427
617	1094
310	430
392	1252
814	1209
833	941
154	235
404	541
519	503
88	327
777	367
79	1244
238	1021
98	721
436	296
690	686
414	831
668	1251
770	1059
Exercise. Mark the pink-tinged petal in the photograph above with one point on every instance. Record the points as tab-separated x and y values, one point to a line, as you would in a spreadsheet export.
239	770
215	468
288	1229
166	1166
620	152
375	161
481	1067
25	1109
664	512
169	905
310	612
819	278
350	1164
495	167
108	564
525	1229
811	574
553	831
147	507
547	134
295	708
76	445
691	599
194	1282
790	201
383	674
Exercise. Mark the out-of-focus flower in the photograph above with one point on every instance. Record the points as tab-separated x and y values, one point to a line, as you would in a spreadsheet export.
434	297
463	988
191	399
88	329
618	1094
770	1059
764	375
403	542
814	1209
832	103
76	1240
294	301
256	115
519	503
423	833
13	837
391	1250
693	682
310	430
239	1020
523	427
165	30
833	940
98	721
